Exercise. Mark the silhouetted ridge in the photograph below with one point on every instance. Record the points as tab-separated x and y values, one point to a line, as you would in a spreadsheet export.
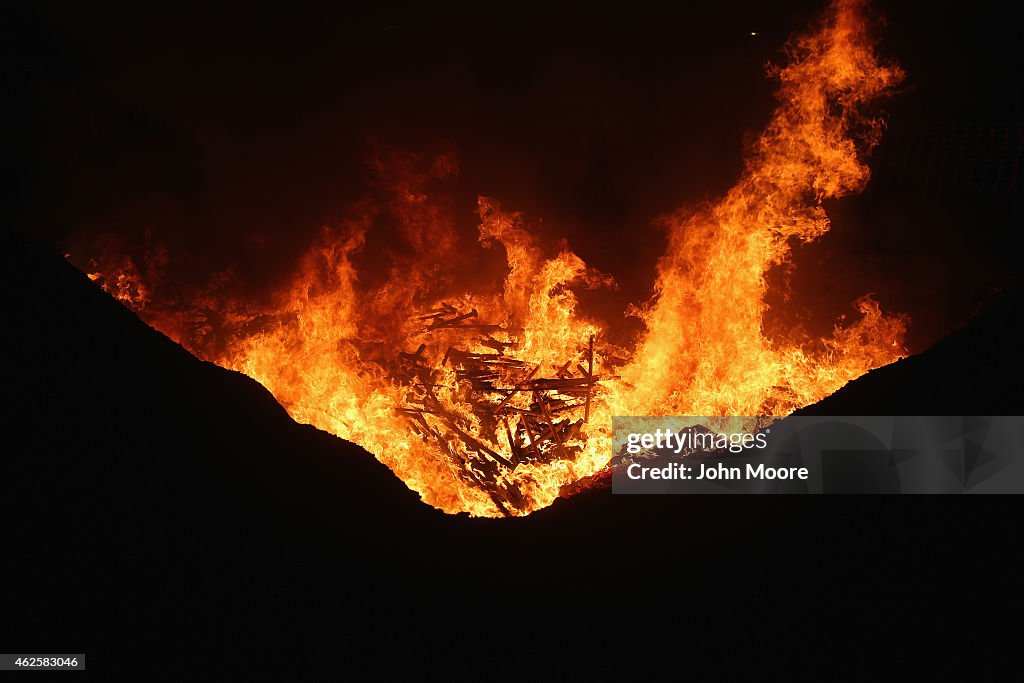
157	503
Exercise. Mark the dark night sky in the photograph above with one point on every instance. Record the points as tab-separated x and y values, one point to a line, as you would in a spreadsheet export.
214	127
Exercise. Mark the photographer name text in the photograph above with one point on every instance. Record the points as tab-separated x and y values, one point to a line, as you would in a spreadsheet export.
716	471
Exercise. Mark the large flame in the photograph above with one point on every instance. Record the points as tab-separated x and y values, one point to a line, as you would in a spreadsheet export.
704	328
351	358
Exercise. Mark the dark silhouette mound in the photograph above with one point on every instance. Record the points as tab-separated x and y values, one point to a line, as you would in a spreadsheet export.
977	370
158	507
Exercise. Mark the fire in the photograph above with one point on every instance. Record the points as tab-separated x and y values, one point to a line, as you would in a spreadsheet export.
704	328
491	400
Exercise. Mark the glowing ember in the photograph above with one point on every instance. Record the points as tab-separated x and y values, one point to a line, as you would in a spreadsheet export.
489	402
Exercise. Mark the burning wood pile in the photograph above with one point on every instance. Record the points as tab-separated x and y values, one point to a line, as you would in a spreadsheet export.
496	399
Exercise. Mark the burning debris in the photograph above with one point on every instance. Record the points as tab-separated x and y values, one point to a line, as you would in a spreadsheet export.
542	419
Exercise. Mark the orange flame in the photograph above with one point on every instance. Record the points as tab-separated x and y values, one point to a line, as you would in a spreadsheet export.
326	347
704	329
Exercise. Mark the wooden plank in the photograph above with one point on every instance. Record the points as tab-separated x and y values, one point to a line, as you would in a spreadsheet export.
517	388
590	376
511	441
